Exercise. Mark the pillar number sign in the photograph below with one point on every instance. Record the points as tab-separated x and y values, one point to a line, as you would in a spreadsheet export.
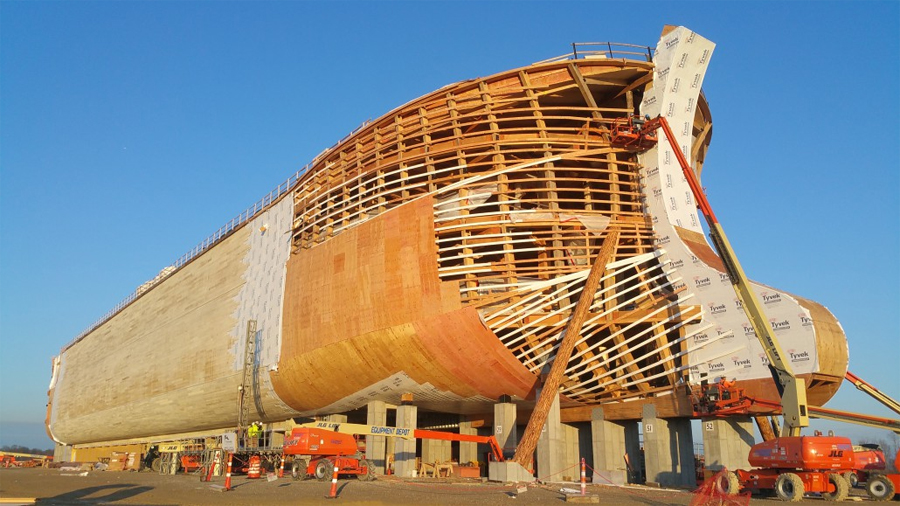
499	429
648	428
709	426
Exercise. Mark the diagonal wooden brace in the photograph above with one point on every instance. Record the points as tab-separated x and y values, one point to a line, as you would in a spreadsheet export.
550	390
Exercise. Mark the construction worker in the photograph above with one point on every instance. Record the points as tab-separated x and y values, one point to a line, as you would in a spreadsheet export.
152	454
253	433
637	123
726	387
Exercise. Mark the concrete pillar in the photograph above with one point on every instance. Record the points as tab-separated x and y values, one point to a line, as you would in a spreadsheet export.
405	450
336	418
173	463
551	452
435	450
727	442
376	414
62	453
505	427
668	450
608	440
468	452
680	428
571	456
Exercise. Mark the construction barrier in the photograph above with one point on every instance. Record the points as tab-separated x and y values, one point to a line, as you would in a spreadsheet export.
213	466
228	472
333	494
253	471
712	493
582	476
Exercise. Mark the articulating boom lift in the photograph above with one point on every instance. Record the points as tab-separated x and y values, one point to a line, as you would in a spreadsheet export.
791	464
317	447
791	388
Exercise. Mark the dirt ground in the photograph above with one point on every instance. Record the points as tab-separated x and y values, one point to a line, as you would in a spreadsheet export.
53	487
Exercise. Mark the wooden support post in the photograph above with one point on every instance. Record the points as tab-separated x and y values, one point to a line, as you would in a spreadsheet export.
551	386
765	427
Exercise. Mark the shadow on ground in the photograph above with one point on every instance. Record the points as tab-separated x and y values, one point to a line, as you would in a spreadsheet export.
103	494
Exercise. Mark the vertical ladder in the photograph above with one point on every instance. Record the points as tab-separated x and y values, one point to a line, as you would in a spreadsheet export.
245	394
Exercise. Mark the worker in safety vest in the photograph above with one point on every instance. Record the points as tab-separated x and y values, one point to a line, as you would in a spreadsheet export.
253	433
727	385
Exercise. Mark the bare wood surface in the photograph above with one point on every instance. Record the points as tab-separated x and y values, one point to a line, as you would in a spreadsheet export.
765	427
344	332
444	243
550	390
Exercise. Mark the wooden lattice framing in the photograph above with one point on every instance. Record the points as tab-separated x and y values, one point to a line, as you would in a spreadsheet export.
526	186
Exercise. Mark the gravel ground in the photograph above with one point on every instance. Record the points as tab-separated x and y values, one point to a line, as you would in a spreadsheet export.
53	487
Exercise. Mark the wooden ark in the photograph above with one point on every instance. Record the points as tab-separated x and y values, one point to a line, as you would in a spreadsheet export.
439	251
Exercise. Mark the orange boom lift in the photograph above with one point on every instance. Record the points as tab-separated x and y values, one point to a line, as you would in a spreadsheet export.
791	465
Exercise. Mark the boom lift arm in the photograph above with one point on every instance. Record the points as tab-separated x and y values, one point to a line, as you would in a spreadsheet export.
876	394
725	398
404	433
791	388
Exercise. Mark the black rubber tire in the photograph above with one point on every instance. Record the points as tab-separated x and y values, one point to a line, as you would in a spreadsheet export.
852	479
842	488
880	488
324	469
369	475
789	487
298	469
729	484
156	465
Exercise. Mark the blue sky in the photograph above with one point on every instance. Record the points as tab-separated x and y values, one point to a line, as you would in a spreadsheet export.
129	131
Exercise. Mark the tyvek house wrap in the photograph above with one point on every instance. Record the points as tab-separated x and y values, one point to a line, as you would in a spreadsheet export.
723	343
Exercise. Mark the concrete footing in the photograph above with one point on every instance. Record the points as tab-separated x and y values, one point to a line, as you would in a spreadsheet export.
405	450
336	418
505	427
571	455
668	450
608	444
376	447
551	448
468	452
436	451
583	499
727	442
508	472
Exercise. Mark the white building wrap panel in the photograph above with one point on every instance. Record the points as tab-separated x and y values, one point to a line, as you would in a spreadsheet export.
724	343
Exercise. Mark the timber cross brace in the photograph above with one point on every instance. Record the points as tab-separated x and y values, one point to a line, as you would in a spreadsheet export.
550	389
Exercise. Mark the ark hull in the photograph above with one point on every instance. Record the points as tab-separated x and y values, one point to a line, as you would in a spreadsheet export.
439	251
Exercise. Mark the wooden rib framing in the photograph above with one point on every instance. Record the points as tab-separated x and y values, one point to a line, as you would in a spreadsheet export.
525	185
